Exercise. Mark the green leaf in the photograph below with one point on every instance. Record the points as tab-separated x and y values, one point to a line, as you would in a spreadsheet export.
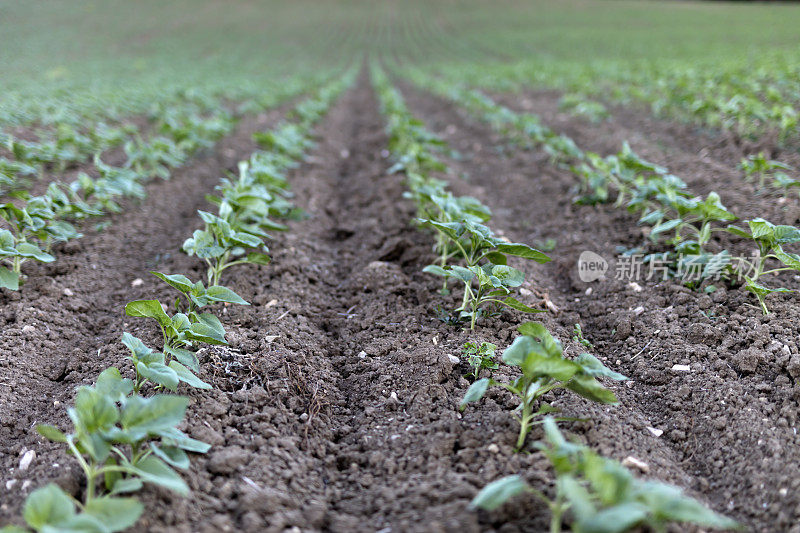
185	375
616	519
8	279
218	293
257	258
513	303
116	514
590	388
48	505
51	433
508	276
172	455
111	383
26	249
498	492
592	366
143	416
159	374
522	250
122	486
186	357
149	309
177	281
153	470
436	270
475	392
175	437
135	345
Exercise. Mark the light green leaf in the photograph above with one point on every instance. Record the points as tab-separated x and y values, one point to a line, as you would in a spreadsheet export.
498	492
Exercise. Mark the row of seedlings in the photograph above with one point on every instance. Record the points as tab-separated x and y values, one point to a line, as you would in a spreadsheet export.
597	493
677	219
35	223
125	430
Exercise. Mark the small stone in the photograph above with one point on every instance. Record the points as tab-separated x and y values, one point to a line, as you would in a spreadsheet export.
494	448
28	329
27	483
27	459
228	460
270	338
589	291
681	368
453	359
655	431
10	483
525	292
271	303
635	287
638	311
783	492
68	292
345	153
793	366
362	354
633	462
137	282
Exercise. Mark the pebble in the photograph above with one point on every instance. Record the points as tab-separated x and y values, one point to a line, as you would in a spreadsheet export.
633	462
681	368
638	311
10	483
453	359
28	329
362	354
525	292
494	448
635	287
27	459
68	292
655	431
137	282
271	303
589	291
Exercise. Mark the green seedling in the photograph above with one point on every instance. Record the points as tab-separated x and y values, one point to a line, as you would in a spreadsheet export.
120	440
757	166
479	356
486	258
769	239
577	336
221	246
599	495
540	358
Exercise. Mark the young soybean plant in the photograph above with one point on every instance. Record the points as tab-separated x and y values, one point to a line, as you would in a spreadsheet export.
486	263
182	330
544	368
479	356
758	166
770	240
600	495
121	441
221	246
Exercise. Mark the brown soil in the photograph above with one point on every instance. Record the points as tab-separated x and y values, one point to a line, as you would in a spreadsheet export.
335	406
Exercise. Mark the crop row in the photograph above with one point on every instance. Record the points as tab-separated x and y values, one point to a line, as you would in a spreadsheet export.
752	99
681	224
125	429
598	494
36	223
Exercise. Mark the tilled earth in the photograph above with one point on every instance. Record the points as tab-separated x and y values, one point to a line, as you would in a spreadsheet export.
335	406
